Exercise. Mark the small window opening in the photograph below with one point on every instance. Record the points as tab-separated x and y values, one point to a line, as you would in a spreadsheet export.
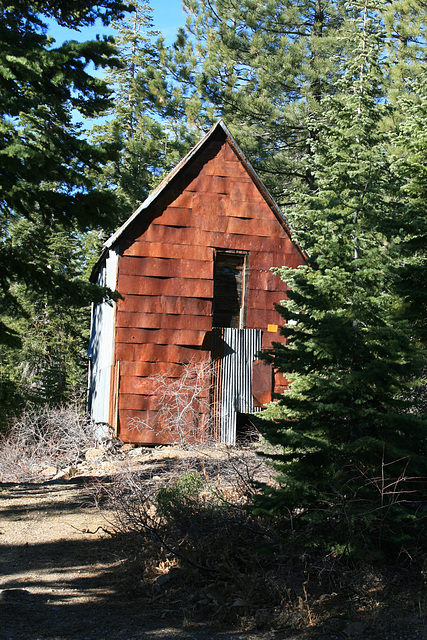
230	282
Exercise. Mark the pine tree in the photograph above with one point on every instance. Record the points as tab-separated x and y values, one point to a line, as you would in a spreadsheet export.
264	66
410	150
45	189
312	91
348	438
149	117
51	319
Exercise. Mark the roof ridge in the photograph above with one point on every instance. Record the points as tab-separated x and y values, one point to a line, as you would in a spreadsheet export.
176	170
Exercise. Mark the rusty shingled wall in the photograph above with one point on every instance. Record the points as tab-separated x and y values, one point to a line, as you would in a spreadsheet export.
165	276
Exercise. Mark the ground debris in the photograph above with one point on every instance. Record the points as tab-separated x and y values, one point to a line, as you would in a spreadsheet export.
69	578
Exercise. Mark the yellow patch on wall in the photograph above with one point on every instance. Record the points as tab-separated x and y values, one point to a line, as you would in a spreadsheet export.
272	328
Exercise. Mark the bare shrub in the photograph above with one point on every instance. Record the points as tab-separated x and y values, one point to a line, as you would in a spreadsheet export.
192	546
189	535
183	406
43	437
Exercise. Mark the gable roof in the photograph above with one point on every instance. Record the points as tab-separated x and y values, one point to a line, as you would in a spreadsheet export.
218	129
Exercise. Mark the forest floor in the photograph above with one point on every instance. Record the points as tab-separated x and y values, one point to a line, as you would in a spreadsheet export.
63	576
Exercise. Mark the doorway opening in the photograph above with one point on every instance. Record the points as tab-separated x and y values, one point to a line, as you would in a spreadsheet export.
246	431
230	289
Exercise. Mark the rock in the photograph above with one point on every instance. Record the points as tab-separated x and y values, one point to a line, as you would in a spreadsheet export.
65	474
94	454
69	472
136	453
59	476
108	467
127	447
49	472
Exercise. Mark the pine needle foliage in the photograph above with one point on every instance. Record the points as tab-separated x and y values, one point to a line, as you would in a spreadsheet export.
151	111
49	197
352	446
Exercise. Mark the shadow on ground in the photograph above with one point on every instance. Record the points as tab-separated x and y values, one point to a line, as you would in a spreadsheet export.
81	589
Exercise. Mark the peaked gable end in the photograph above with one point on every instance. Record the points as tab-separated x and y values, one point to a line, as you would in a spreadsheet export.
193	166
194	273
213	194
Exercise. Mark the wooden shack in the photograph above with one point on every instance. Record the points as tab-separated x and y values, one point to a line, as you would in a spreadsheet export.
193	267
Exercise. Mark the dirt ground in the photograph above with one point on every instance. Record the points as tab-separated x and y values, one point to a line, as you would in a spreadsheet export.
60	572
61	575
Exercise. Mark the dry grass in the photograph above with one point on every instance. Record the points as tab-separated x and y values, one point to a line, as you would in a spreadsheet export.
194	550
44	437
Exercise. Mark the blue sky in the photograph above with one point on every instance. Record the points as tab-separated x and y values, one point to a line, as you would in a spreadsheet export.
167	16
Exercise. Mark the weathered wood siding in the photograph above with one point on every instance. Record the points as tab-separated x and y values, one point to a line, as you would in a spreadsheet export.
165	276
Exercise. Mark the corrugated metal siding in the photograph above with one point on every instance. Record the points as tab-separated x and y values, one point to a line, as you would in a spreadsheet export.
101	345
235	351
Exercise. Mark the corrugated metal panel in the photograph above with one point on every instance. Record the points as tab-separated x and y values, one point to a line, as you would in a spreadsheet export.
217	351
228	391
234	351
101	345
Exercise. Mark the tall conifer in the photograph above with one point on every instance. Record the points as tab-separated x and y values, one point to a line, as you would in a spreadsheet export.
349	440
46	189
150	114
264	66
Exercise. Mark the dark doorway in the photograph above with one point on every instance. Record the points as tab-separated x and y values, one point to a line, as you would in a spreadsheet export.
246	432
229	290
